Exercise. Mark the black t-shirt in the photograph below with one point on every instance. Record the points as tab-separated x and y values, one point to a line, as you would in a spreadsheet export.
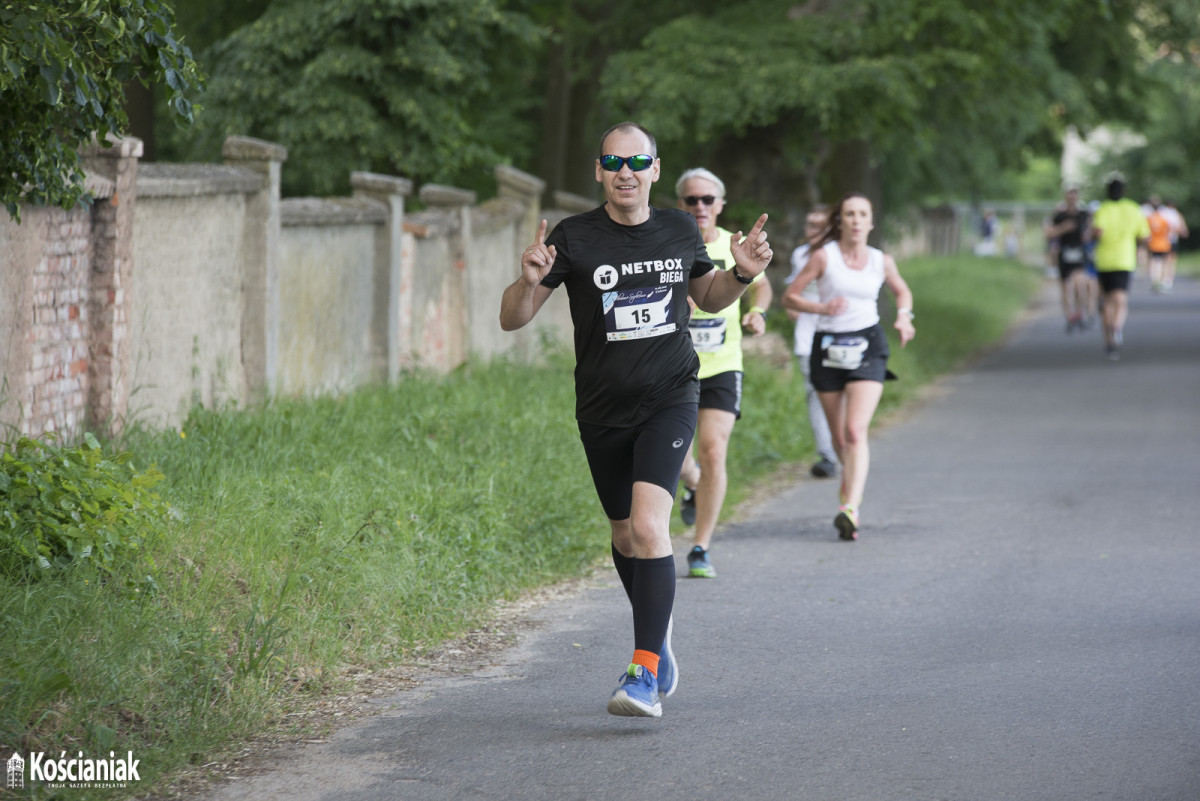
1070	243
627	286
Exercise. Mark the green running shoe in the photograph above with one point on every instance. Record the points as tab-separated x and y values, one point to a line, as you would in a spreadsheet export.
699	565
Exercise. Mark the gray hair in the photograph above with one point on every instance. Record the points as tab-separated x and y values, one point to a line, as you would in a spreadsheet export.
699	172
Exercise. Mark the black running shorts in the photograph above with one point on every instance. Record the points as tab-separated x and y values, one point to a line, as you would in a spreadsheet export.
652	452
1066	268
723	391
833	379
1114	280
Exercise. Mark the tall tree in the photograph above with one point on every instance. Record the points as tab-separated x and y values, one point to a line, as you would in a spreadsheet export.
585	35
916	97
199	23
1166	164
63	67
436	90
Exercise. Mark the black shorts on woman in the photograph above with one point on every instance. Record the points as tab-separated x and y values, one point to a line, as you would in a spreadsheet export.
874	361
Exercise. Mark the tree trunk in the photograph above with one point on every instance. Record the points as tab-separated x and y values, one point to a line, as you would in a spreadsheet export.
139	105
552	164
850	170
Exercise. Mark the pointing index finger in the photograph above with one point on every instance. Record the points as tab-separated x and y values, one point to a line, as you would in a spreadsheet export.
541	234
758	225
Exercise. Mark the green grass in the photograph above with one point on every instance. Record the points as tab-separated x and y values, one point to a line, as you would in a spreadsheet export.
311	539
1189	263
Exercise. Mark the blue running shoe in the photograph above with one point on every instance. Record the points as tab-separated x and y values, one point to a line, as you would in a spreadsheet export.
699	565
637	696
668	671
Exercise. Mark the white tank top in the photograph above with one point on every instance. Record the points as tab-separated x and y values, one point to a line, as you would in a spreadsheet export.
860	288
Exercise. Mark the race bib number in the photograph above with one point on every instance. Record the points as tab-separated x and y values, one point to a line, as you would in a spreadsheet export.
1072	255
638	313
708	335
843	352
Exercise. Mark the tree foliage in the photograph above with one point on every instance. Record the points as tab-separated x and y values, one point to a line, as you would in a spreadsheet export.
1166	164
572	110
943	94
428	89
201	23
63	66
789	100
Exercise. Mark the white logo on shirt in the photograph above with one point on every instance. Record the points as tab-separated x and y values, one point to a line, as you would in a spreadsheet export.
605	276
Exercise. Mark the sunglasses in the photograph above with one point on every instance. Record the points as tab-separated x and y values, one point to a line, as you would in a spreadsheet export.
694	200
636	163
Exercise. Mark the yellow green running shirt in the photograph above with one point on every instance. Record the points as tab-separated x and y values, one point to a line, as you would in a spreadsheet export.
1121	224
717	338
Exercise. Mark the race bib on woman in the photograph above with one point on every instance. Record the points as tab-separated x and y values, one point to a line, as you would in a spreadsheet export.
843	352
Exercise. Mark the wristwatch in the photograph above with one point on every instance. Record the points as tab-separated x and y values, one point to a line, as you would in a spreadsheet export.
741	279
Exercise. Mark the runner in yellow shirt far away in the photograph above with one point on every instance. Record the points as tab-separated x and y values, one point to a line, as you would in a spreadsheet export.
1118	228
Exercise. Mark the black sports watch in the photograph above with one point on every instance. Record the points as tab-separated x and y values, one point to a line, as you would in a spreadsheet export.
741	279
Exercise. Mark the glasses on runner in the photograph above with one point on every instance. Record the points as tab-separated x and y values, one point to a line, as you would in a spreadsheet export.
695	200
636	163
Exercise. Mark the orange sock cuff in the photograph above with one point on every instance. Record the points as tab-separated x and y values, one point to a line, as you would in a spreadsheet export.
647	660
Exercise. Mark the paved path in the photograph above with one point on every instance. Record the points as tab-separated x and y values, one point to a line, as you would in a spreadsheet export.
1020	620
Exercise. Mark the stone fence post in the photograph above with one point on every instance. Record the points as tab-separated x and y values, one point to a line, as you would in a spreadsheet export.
527	190
516	213
108	367
387	318
456	205
260	267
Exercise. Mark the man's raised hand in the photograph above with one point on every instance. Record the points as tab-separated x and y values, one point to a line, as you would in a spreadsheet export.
752	254
537	259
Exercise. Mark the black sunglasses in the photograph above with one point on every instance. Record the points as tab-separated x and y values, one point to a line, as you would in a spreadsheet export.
707	200
636	163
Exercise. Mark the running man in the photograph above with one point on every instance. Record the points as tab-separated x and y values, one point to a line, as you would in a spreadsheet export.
1158	245
718	342
1119	228
628	269
1179	230
1069	226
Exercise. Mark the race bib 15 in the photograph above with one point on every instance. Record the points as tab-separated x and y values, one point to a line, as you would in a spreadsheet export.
638	313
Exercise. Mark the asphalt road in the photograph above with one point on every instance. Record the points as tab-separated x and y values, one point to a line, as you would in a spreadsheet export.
1020	620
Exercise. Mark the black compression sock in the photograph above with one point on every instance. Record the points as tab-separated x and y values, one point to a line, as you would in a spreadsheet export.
653	598
626	567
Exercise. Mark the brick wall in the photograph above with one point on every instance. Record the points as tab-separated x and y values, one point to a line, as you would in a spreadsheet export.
57	381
